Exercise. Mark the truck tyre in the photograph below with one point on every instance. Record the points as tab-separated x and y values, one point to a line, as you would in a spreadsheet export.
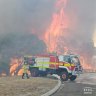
73	77
64	76
34	72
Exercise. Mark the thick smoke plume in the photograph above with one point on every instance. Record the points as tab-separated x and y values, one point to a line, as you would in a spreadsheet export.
18	19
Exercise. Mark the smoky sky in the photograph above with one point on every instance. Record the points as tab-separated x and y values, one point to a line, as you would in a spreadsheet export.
86	15
35	15
24	15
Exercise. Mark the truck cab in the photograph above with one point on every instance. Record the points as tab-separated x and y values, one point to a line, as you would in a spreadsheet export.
71	68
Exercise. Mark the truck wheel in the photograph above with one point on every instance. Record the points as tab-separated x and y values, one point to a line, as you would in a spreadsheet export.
34	72
64	76
73	77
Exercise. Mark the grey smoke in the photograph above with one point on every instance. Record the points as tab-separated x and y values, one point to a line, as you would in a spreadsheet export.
81	37
28	15
24	15
86	14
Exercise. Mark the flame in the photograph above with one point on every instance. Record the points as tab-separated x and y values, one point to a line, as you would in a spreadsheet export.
60	22
20	72
58	29
14	65
84	64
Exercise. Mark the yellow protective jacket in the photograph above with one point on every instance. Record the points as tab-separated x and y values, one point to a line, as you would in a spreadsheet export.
25	68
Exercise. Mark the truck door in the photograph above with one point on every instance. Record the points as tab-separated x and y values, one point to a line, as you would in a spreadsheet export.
54	62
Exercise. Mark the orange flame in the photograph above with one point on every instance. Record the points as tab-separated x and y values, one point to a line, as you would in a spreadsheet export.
58	28
14	65
60	22
84	64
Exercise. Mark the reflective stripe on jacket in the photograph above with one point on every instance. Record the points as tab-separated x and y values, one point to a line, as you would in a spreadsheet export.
25	68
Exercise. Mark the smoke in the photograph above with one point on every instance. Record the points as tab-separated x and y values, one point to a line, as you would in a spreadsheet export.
82	17
18	21
18	18
23	15
17	45
81	38
86	15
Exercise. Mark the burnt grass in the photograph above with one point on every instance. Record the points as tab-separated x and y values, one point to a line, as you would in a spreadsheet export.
16	86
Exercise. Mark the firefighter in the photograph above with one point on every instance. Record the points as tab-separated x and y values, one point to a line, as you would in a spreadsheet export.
25	70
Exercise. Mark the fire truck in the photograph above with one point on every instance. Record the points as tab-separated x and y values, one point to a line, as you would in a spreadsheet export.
66	66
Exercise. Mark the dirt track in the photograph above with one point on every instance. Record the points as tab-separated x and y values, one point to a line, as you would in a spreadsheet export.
15	86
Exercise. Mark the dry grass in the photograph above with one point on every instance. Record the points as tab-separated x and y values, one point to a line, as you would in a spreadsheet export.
15	86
